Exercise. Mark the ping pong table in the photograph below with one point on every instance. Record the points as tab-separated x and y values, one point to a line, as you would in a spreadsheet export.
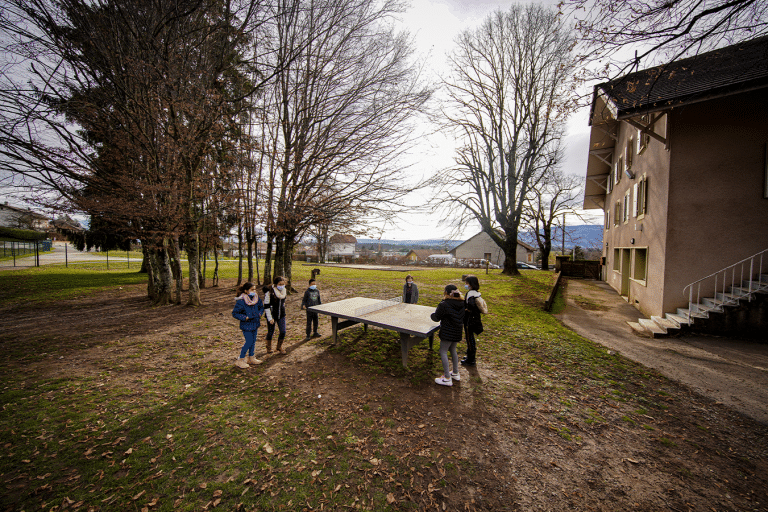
410	320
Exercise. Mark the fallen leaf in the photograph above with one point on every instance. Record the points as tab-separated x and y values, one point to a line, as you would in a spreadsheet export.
203	485
129	451
316	472
375	461
216	502
138	495
268	448
391	498
217	493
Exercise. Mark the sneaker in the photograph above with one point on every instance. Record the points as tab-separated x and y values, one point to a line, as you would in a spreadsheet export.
465	362
443	381
317	335
253	360
240	363
456	376
305	339
281	350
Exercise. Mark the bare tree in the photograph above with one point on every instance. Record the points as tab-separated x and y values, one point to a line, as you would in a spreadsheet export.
343	109
508	92
557	194
626	35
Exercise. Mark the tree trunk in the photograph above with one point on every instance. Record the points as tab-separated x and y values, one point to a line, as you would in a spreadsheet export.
162	275
176	268
288	246
239	251
215	269
204	267
144	259
279	262
268	260
546	249
510	255
249	251
193	256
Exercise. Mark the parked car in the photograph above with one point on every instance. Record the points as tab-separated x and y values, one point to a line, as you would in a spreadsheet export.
527	266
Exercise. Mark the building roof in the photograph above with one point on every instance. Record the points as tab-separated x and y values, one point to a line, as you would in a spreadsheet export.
738	68
422	254
342	239
525	245
23	211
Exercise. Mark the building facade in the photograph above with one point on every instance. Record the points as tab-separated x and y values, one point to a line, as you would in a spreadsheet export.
482	246
678	163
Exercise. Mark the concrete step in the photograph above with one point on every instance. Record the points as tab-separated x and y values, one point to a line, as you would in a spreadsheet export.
639	329
666	323
655	329
756	285
685	313
744	292
679	320
712	304
728	299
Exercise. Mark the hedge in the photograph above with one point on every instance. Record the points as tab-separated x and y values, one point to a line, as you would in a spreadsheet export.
21	235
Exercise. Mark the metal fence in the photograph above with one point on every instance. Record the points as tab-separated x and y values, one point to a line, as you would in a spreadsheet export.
11	250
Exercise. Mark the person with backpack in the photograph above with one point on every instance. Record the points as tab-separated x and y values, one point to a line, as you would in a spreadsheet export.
473	323
248	309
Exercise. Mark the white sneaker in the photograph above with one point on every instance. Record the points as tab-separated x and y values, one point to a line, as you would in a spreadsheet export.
443	381
241	363
456	376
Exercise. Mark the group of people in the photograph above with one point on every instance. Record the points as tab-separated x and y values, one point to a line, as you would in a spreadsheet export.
457	314
249	308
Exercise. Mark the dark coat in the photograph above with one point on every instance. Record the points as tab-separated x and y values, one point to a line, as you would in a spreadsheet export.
274	304
414	293
253	313
473	318
450	314
311	298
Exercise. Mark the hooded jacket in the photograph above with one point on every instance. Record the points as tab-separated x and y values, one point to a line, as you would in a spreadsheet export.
252	313
450	314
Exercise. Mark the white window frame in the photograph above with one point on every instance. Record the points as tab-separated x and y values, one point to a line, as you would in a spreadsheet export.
642	197
625	210
633	275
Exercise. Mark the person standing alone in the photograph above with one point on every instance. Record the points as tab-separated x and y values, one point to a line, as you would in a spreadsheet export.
410	291
311	298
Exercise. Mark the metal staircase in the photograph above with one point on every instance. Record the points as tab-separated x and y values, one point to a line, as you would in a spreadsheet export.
739	282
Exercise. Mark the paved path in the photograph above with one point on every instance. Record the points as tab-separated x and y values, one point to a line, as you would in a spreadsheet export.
728	370
60	255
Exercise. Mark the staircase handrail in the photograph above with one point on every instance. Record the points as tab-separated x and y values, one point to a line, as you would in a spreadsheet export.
724	271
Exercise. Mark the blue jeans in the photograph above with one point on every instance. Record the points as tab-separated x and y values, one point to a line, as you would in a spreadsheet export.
271	329
250	343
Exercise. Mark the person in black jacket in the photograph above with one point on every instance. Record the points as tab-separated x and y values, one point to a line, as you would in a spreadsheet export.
450	314
473	323
311	298
274	307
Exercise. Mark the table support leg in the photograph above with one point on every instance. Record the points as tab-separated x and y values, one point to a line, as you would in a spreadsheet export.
406	343
334	327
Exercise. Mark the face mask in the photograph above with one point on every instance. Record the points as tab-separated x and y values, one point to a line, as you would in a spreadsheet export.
313	287
281	288
409	282
251	294
466	287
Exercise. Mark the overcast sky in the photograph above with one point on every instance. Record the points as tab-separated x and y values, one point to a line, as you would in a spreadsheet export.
434	24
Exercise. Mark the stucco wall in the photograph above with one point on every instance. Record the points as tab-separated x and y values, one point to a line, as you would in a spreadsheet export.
717	213
480	244
647	232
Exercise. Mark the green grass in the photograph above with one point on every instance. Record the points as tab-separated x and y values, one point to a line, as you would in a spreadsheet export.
192	434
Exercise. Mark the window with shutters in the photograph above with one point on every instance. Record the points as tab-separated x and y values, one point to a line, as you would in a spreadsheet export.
625	210
617	213
617	259
629	152
643	138
619	170
608	218
641	205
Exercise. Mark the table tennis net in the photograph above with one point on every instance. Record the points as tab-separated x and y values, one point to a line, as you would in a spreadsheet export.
364	310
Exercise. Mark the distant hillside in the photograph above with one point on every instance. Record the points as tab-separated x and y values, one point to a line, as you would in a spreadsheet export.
394	245
586	236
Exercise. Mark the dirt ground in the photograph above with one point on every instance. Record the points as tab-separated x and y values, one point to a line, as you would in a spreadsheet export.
712	458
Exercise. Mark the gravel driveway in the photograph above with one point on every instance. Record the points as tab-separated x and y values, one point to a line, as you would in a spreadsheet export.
728	370
60	255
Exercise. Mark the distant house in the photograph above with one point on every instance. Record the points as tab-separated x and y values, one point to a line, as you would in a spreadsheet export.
19	218
342	246
481	246
62	227
415	255
678	162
